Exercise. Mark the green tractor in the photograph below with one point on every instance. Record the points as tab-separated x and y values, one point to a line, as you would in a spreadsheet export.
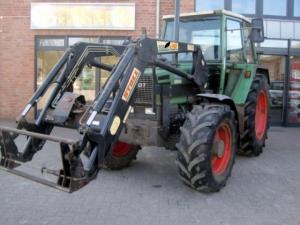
204	96
229	117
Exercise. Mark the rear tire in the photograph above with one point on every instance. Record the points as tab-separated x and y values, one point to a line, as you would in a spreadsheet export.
256	118
207	147
121	156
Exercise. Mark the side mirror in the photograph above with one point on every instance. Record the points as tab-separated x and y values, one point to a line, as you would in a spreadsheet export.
257	31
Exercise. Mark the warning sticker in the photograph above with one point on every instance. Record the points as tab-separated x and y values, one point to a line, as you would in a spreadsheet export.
134	77
165	46
190	47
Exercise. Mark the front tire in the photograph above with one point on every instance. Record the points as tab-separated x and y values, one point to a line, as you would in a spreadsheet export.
207	147
121	156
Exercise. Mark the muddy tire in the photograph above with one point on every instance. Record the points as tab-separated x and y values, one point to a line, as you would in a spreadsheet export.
207	147
256	121
121	156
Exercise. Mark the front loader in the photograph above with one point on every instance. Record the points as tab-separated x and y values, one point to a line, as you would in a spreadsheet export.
204	96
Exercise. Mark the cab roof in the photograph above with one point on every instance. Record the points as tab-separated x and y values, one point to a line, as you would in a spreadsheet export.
209	13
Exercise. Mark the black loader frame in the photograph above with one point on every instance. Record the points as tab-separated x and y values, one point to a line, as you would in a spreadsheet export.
100	123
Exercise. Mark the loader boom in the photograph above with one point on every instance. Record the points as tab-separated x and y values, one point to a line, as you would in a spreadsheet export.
100	123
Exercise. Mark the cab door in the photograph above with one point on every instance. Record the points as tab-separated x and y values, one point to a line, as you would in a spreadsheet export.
240	67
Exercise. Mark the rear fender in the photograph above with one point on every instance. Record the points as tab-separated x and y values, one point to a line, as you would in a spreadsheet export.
263	71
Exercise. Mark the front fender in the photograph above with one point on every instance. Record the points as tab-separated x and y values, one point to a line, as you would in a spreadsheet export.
224	99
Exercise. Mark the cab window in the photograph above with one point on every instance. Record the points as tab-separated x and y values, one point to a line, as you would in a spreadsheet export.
234	52
248	45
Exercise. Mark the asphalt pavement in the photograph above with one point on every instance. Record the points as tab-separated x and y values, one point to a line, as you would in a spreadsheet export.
262	190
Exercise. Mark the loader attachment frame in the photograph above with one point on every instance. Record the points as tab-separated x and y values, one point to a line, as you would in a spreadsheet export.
102	122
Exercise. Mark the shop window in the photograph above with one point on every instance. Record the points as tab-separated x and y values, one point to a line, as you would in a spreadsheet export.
276	67
110	60
51	42
297	30
294	92
272	29
113	41
297	8
204	5
234	41
295	44
46	60
73	40
275	7
287	30
50	49
269	43
243	6
85	84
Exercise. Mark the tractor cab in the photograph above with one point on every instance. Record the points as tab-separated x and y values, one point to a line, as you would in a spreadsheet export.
227	42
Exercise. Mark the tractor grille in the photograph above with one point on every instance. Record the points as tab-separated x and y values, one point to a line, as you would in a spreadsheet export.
144	93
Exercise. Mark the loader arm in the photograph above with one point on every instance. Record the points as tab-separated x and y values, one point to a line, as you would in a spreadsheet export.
102	122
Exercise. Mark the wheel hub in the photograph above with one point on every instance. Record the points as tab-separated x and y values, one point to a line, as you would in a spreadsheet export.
218	148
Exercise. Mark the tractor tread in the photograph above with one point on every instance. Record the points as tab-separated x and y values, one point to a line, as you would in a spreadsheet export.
250	146
194	147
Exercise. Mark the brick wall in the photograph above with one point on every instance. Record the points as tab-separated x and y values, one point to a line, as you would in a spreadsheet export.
17	45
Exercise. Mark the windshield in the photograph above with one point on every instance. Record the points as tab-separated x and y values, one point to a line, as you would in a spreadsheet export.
204	32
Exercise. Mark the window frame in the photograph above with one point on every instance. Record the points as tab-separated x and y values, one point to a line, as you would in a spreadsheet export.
287	13
246	14
164	30
225	5
293	10
243	60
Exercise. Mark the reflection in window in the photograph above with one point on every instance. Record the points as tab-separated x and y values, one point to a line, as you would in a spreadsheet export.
274	7
45	62
234	41
205	32
113	41
274	43
295	44
248	44
85	84
276	68
73	40
204	5
110	60
297	8
243	6
287	30
51	42
294	92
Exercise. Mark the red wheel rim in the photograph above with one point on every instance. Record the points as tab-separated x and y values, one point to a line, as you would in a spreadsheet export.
121	149
221	152
261	115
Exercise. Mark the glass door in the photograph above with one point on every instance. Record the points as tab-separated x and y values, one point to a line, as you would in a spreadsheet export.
48	51
293	112
90	81
87	81
276	65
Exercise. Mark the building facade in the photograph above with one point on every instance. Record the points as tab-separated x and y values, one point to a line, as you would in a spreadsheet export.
34	35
